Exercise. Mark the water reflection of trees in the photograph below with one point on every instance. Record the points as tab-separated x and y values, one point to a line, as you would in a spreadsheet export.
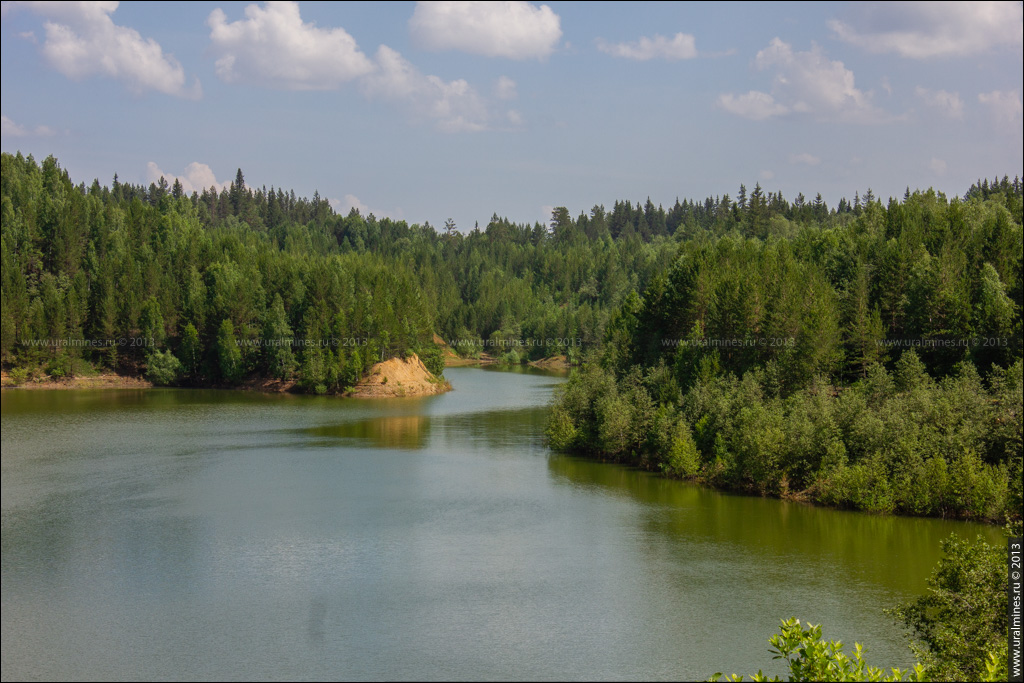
517	429
391	431
897	552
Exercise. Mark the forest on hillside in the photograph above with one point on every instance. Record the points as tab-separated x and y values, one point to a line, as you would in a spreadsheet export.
215	287
864	355
871	360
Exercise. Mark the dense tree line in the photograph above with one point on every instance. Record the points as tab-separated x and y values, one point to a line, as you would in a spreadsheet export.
870	360
734	341
92	276
216	287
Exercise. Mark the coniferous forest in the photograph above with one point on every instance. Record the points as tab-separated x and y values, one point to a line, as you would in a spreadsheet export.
512	340
866	355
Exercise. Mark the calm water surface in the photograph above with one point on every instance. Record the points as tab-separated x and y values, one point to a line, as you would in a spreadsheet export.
202	534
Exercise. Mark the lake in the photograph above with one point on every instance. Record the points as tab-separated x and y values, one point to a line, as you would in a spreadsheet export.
193	534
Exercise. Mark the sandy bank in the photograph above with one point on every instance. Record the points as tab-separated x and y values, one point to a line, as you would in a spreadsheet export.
398	377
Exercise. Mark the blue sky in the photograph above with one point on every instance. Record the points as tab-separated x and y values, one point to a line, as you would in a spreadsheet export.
425	111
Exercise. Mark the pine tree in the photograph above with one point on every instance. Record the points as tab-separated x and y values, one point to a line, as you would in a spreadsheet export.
229	355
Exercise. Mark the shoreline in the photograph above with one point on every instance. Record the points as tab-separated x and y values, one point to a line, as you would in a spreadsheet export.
395	378
103	380
549	363
803	497
263	385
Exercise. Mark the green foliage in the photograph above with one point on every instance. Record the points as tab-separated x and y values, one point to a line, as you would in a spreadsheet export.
151	323
277	337
561	431
510	357
433	359
682	458
163	368
229	356
800	292
191	350
891	442
812	659
960	625
60	366
142	262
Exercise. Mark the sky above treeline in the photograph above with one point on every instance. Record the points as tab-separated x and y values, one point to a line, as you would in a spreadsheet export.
434	110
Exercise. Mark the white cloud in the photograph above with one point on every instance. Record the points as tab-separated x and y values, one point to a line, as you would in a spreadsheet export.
350	201
938	166
920	30
514	118
949	103
804	158
454	105
516	30
10	129
197	177
767	175
1006	107
681	46
754	105
344	206
505	89
272	46
804	83
545	212
82	40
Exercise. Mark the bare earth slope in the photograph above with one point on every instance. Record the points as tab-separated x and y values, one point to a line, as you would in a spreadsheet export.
399	377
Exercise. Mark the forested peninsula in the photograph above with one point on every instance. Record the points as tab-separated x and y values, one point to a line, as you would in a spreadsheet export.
864	355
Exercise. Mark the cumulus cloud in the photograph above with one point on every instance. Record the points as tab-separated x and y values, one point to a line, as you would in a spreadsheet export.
344	206
920	30
804	158
1005	106
937	166
681	46
272	46
82	40
804	83
949	103
505	89
754	105
10	129
516	30
454	105
350	201
196	178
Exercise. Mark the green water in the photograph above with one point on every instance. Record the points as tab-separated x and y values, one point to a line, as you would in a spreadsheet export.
203	534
